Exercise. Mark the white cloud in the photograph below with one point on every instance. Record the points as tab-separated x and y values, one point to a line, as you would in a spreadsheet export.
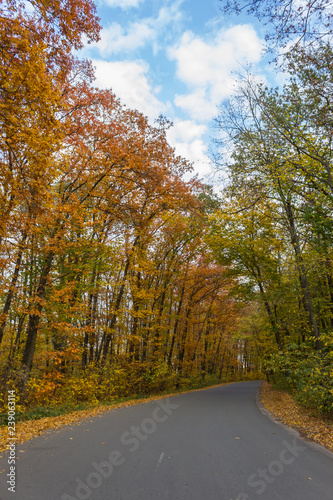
124	4
187	130
197	104
206	67
187	137
129	81
116	38
170	14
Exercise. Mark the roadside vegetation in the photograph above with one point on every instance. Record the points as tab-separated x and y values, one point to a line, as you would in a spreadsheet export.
309	422
108	289
122	279
274	226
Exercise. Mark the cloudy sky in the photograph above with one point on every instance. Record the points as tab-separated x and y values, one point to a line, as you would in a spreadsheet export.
177	58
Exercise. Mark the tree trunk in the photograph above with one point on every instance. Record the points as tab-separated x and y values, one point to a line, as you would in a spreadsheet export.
108	337
268	309
12	287
34	319
307	300
176	325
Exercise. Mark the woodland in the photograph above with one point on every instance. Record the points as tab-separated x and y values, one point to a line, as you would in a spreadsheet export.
119	277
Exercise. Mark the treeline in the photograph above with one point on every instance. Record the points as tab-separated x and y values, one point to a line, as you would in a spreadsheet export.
107	286
274	228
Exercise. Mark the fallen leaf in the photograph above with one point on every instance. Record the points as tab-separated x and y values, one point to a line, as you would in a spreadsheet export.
283	406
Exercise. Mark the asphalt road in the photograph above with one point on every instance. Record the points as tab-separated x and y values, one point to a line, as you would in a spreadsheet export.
207	445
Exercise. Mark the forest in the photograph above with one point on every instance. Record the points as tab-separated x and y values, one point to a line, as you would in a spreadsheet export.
123	275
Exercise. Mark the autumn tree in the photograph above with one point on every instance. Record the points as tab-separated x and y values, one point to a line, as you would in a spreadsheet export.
281	159
36	64
107	283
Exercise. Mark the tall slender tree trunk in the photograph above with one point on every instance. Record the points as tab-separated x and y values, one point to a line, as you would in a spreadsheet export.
108	337
134	343
181	352
175	327
34	318
90	318
307	299
222	363
12	287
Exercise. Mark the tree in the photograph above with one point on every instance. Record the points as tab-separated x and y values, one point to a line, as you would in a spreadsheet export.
36	66
107	285
245	236
288	20
279	157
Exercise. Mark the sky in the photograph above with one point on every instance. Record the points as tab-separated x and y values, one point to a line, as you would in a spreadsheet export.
178	58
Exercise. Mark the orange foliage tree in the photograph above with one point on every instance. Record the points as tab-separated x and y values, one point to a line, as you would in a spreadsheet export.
107	287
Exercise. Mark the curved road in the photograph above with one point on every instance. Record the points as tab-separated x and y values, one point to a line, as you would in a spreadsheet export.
213	444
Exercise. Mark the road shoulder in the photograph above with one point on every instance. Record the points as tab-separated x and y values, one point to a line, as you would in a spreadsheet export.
282	408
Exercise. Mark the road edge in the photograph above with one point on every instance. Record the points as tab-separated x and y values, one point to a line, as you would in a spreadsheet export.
47	425
292	430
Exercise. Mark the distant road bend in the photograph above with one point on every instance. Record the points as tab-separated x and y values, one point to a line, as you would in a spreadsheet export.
213	444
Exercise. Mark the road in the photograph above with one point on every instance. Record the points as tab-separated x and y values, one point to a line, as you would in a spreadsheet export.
213	444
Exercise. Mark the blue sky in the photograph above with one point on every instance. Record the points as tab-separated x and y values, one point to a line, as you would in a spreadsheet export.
177	58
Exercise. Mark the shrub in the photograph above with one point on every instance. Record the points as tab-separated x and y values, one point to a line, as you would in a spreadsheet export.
307	373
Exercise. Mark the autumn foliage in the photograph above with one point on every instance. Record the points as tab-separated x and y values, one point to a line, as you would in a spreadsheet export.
273	228
107	286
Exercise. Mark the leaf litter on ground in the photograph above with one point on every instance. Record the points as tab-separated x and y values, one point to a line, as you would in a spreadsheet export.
308	422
